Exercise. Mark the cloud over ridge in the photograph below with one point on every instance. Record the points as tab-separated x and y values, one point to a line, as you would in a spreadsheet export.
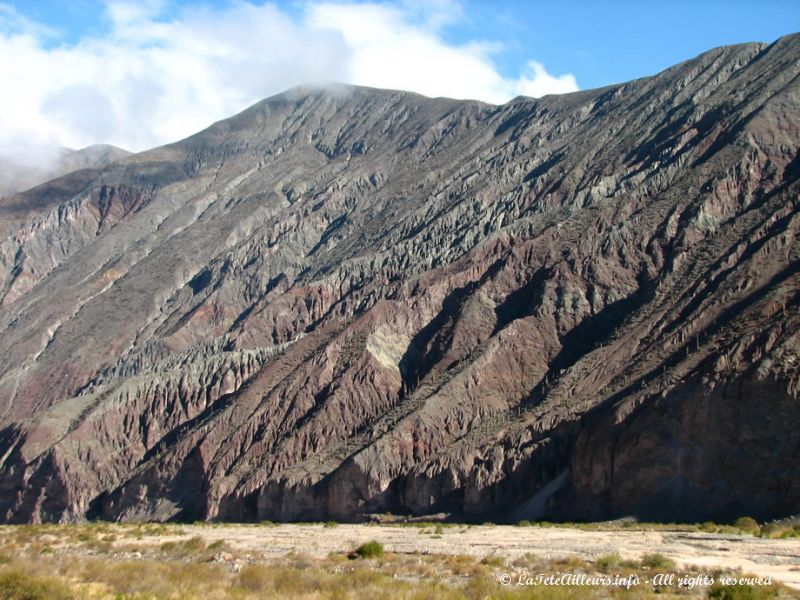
149	79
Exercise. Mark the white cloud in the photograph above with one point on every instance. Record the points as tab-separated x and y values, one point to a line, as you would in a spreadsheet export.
389	50
542	83
149	80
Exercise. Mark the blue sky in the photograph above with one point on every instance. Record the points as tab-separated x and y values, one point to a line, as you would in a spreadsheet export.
605	42
144	72
600	42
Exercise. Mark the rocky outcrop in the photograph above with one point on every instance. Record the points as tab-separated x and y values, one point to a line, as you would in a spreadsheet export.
348	301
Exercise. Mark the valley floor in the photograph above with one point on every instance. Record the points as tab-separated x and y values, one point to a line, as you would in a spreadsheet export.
763	556
425	560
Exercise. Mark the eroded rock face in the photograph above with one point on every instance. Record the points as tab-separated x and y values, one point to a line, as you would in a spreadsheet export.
350	301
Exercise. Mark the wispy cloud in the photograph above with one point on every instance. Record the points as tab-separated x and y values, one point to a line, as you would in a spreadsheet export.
148	80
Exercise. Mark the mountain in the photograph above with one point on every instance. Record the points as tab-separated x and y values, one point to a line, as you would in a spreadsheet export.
17	176
349	301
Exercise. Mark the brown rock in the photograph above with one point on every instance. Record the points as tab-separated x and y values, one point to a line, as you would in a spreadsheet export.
337	304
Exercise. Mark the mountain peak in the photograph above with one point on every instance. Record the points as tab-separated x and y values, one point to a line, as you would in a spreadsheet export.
342	303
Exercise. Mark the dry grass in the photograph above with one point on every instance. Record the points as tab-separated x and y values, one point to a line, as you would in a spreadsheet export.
742	526
102	561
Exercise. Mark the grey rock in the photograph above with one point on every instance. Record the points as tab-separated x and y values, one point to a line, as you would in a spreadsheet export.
350	301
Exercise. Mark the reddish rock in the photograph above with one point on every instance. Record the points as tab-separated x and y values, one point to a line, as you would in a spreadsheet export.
340	304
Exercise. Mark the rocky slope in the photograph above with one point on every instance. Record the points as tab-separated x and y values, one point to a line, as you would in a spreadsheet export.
348	301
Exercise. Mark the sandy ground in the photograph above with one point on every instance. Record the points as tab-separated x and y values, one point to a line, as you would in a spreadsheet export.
779	558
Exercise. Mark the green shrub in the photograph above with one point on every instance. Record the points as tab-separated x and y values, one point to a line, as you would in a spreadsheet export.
739	592
747	524
771	529
371	549
331	524
657	561
184	548
607	562
195	544
709	527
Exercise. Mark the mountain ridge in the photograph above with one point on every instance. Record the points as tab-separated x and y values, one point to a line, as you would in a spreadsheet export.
374	302
16	176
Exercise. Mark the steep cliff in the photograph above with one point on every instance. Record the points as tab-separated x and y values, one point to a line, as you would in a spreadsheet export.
345	301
